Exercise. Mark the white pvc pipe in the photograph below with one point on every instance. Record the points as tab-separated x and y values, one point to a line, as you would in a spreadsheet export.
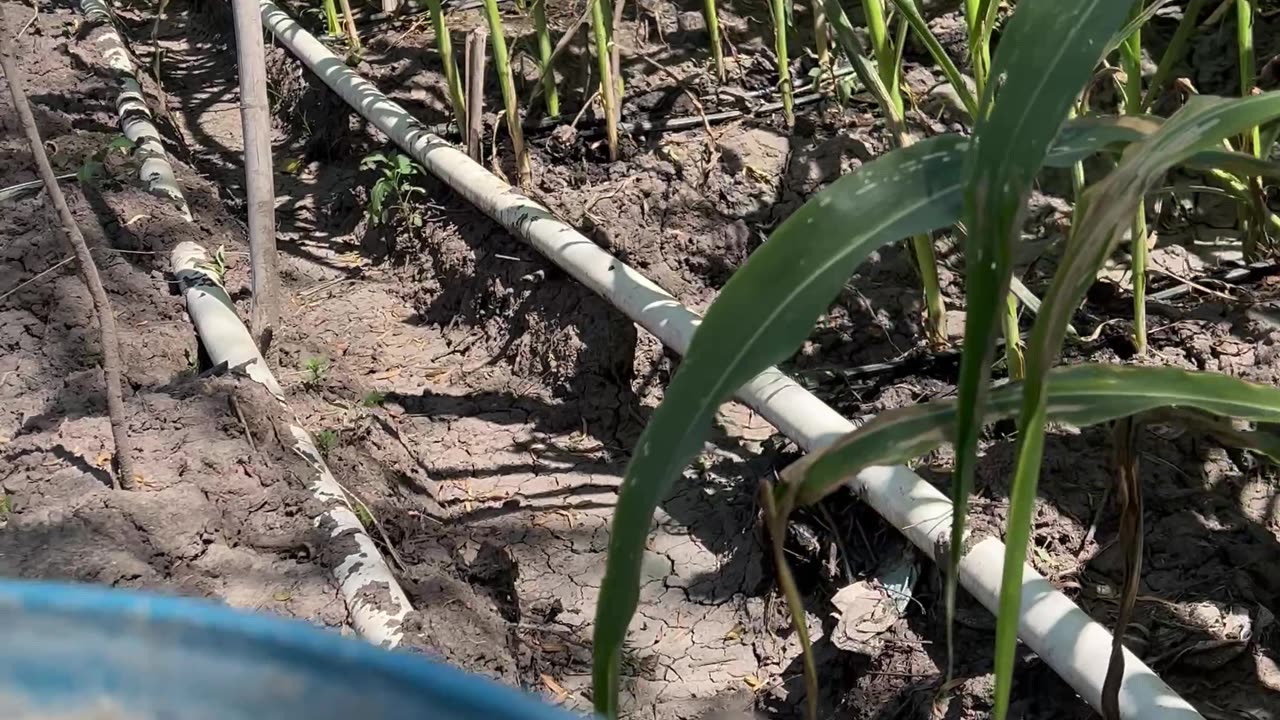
1060	632
131	106
374	599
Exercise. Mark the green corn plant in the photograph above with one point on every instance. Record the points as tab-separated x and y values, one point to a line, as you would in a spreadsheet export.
785	286
608	100
713	33
331	18
509	98
1131	63
885	85
778	11
936	183
550	95
452	78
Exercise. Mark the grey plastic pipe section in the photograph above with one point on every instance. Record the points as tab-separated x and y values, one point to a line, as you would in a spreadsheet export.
1059	631
131	106
376	603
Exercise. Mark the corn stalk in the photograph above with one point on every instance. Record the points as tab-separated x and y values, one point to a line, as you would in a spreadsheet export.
888	65
452	78
550	95
331	27
778	9
713	32
507	83
1131	63
349	20
600	29
1252	214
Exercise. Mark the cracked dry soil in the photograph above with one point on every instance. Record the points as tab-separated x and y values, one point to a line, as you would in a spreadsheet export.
483	404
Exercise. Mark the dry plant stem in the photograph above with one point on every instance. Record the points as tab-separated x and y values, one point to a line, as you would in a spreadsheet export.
713	32
255	119
607	97
547	72
349	20
778	8
507	83
444	45
475	93
88	271
776	524
1126	436
156	53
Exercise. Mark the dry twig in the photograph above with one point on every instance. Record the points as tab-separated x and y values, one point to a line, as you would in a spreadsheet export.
88	270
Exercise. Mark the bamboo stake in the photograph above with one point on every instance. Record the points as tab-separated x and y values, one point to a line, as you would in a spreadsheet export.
110	338
353	35
475	60
255	119
508	85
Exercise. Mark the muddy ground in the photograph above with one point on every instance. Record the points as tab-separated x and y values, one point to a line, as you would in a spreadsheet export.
484	405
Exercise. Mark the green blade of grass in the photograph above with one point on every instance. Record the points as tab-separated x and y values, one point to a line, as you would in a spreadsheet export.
1041	82
1105	210
1080	395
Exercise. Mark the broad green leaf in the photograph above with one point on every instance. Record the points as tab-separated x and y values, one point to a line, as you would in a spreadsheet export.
782	288
1103	214
961	84
1080	395
780	292
1046	55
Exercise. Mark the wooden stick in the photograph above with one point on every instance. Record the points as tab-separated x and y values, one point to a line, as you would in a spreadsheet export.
255	119
88	270
475	60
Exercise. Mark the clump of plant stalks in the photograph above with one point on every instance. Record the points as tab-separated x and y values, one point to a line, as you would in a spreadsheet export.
506	82
981	182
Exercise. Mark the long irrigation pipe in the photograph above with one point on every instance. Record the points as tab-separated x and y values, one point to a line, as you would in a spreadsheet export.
1053	626
131	106
375	602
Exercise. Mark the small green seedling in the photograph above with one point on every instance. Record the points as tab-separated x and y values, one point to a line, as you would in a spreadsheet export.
362	514
216	267
326	441
373	398
94	167
393	192
314	370
4	504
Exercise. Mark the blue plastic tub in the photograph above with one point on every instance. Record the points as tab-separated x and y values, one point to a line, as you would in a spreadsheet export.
74	651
